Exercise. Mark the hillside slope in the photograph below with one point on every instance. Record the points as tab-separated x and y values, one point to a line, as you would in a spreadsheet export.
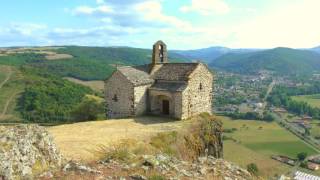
86	63
208	55
280	60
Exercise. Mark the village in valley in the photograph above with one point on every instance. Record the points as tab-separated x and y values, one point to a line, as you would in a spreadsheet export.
242	96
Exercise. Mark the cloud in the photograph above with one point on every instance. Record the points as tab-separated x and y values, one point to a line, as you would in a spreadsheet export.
294	25
207	7
21	34
24	28
85	10
100	1
136	13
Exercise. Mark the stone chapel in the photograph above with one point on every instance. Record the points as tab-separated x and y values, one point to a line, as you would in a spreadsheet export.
178	90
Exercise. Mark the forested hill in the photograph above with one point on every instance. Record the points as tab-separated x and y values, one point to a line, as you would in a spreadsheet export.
208	55
280	60
87	63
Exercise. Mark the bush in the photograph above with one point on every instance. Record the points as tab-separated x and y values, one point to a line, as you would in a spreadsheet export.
164	142
302	156
89	108
126	151
156	177
253	168
304	164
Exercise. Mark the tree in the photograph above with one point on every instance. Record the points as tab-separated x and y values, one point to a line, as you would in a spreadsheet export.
304	164
89	108
306	132
302	156
253	168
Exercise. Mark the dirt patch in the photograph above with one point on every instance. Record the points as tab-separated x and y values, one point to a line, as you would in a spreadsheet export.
78	141
95	85
58	56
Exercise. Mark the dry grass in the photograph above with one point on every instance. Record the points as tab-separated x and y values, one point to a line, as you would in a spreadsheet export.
78	141
95	85
58	56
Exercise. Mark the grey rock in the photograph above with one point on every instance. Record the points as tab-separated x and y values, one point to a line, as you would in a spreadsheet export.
25	147
74	166
138	177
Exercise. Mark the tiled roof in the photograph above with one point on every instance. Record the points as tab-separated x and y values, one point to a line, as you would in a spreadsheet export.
168	86
135	76
140	75
175	71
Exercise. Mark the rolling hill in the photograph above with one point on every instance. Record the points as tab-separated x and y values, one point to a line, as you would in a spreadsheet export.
283	61
208	55
87	63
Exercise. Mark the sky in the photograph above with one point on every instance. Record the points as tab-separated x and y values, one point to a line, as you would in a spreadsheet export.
181	24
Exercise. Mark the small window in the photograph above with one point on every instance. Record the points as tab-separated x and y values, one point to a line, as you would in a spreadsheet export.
115	98
200	87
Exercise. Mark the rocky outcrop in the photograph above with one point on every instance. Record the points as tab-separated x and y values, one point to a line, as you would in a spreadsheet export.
170	167
205	137
25	151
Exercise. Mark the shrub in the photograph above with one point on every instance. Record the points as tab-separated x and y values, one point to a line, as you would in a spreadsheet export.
253	168
304	164
302	156
89	108
156	177
164	142
124	151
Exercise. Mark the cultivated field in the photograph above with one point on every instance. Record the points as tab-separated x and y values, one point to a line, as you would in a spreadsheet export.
256	141
313	100
95	85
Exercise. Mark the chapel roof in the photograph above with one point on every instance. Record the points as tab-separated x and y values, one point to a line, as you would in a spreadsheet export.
140	75
135	76
168	86
175	71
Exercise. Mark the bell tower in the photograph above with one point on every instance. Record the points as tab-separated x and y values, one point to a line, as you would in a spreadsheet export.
159	54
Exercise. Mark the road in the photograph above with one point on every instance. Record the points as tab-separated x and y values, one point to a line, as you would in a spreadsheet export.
270	88
9	74
7	103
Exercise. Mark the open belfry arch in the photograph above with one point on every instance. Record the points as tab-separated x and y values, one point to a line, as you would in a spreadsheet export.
178	90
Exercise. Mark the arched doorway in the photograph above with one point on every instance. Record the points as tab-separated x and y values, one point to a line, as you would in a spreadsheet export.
162	104
165	107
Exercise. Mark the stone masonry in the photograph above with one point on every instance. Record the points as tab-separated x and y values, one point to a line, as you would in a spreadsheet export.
178	90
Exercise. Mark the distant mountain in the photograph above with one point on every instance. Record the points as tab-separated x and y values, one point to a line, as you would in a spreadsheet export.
316	49
279	60
208	55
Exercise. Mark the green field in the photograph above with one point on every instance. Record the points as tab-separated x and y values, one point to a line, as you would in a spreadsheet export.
256	141
313	100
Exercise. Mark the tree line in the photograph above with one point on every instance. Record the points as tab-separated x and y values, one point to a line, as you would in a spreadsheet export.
281	97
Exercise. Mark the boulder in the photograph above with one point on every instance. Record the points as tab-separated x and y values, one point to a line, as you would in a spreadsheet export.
26	151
